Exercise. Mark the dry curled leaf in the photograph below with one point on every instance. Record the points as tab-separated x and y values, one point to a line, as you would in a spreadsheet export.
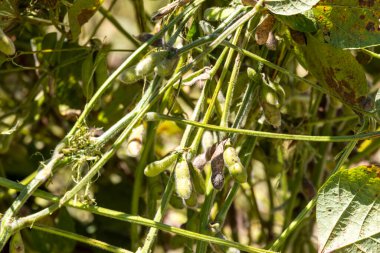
264	28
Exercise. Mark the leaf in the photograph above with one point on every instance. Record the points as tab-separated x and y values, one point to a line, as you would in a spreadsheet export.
349	23
304	22
80	12
337	71
348	211
289	7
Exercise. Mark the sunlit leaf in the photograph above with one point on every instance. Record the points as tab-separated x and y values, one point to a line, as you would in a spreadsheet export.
336	70
348	211
304	22
289	7
349	23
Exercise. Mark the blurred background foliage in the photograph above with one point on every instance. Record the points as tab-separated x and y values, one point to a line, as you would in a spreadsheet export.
46	84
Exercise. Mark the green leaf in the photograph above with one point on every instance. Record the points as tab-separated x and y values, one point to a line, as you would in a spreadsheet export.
289	7
336	70
349	23
80	12
348	211
304	22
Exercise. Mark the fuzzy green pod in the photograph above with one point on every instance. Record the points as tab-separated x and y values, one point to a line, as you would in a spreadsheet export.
6	44
192	200
148	63
155	168
129	76
218	13
166	67
16	244
198	180
176	202
271	106
183	186
234	165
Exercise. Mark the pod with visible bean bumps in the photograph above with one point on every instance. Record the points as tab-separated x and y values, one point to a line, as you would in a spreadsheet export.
198	180
192	200
166	67
182	179
176	202
234	165
271	106
129	76
155	168
147	64
16	244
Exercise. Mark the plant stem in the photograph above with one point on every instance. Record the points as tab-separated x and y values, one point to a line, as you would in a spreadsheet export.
207	205
231	83
90	105
139	173
277	245
152	116
79	238
117	215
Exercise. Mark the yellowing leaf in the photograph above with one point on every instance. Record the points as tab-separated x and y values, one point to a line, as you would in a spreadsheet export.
348	211
337	71
349	23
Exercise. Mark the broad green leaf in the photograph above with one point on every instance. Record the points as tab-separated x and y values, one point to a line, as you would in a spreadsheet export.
289	7
80	12
348	211
304	22
349	23
336	70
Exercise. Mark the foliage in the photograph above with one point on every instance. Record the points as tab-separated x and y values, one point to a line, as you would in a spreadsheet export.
217	127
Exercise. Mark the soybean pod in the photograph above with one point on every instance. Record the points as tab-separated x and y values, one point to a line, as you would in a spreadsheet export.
182	179
234	165
155	168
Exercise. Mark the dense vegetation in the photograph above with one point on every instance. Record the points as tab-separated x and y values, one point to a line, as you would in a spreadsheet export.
205	126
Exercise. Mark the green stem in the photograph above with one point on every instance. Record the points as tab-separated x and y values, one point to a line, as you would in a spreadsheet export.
117	215
231	84
150	238
152	116
139	174
140	15
207	205
90	105
80	238
277	245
